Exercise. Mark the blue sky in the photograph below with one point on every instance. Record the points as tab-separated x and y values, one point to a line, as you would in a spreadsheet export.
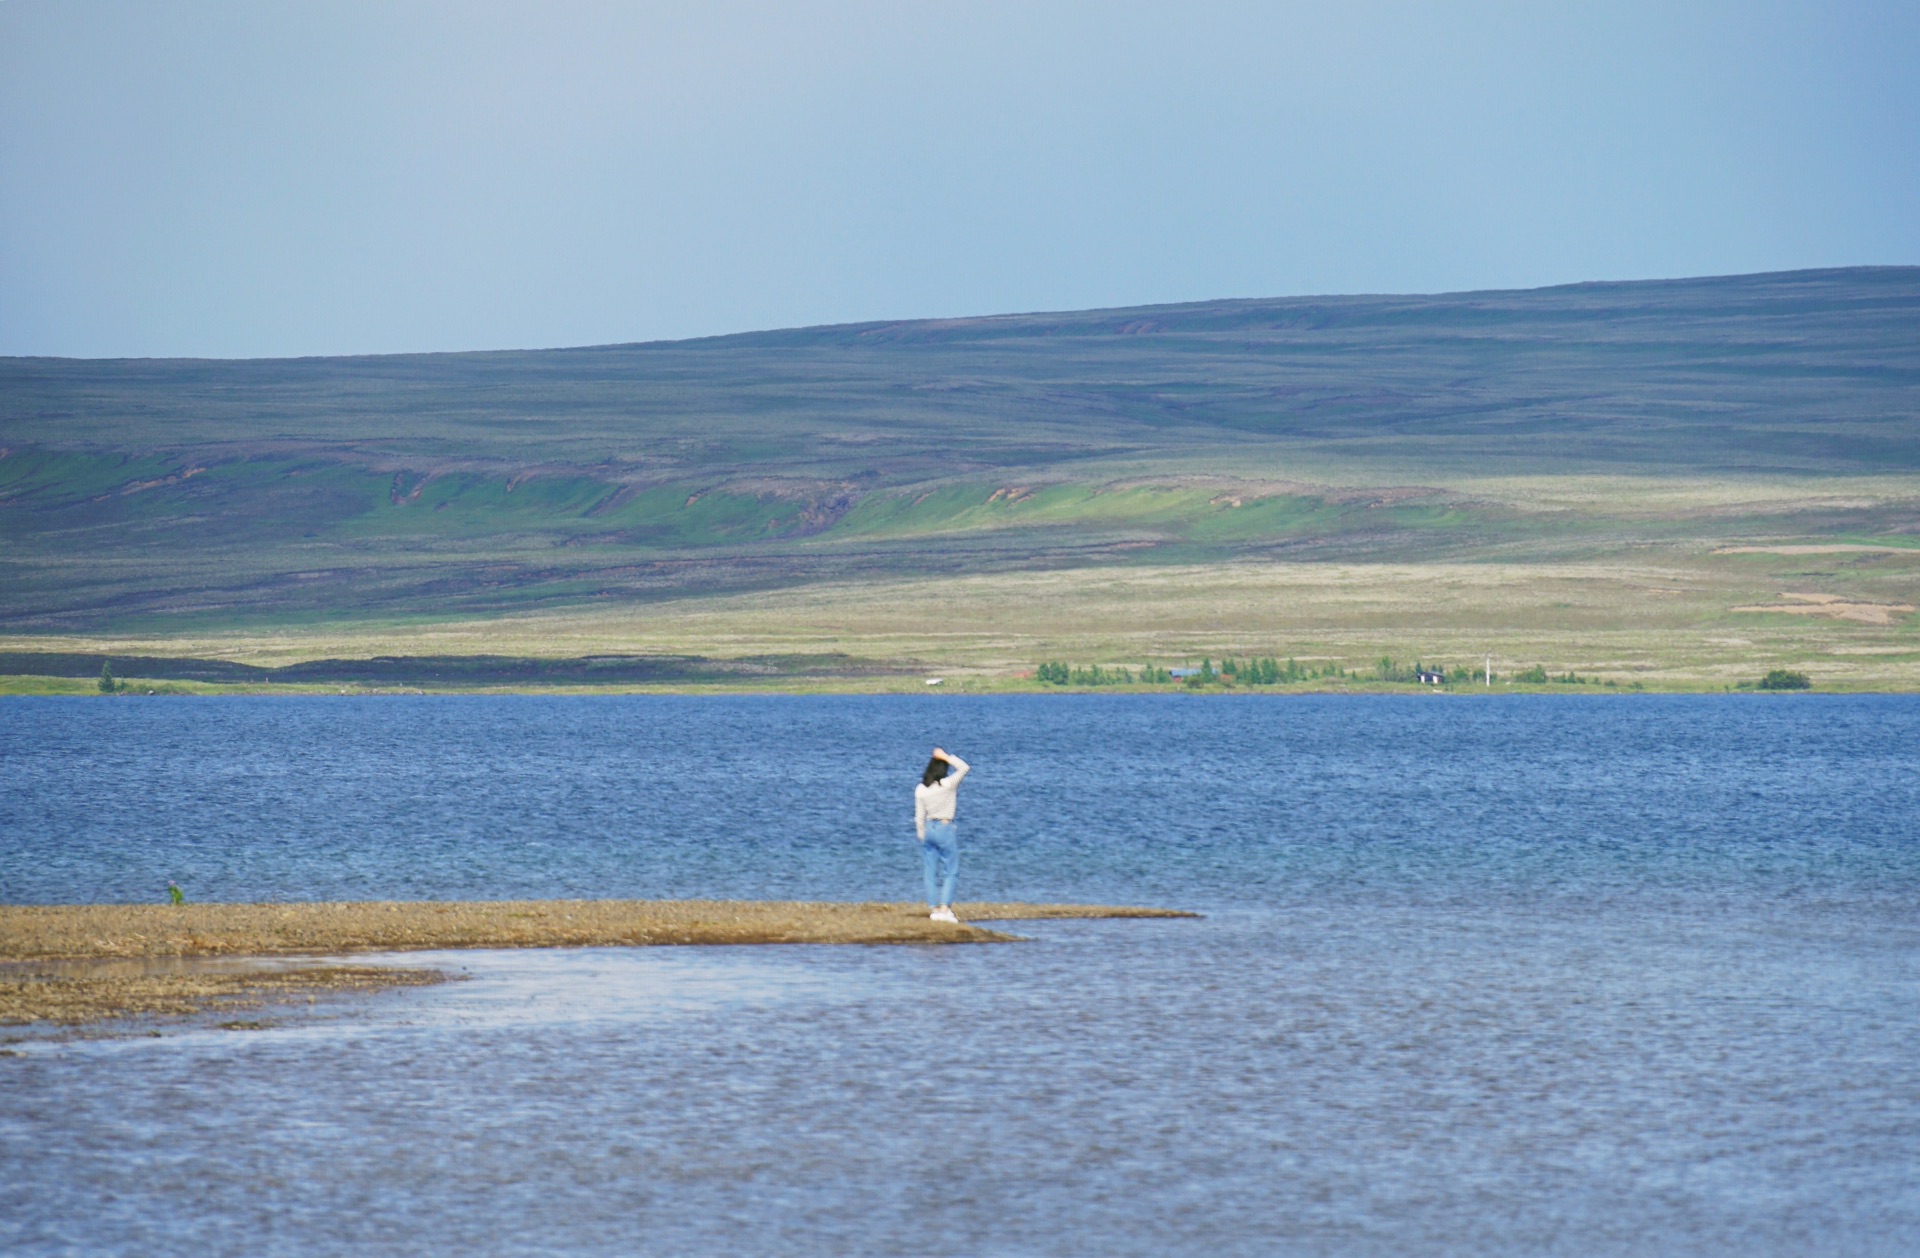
274	179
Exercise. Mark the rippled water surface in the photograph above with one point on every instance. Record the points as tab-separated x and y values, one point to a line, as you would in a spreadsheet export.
1622	975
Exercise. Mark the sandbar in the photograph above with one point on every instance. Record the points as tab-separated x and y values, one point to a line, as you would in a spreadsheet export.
72	963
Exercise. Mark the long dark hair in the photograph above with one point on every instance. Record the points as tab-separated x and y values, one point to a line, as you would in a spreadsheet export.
936	769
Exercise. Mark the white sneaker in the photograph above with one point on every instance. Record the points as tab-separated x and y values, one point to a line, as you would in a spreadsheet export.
945	915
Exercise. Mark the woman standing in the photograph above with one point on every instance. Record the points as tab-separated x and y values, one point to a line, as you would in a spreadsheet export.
933	804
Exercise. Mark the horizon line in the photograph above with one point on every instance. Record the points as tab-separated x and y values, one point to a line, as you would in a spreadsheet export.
869	324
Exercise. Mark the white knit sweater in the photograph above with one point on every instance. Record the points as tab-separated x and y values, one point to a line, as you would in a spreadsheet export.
936	802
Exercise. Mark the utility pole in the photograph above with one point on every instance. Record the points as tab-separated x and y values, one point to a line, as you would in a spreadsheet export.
1489	669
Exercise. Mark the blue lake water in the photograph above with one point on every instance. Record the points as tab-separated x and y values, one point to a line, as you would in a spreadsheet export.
1568	975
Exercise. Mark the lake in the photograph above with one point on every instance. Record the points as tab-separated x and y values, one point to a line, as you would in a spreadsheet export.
1477	975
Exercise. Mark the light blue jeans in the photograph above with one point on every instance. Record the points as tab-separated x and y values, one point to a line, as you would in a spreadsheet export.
940	861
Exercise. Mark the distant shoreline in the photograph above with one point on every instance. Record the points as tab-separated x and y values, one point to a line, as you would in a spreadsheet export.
18	685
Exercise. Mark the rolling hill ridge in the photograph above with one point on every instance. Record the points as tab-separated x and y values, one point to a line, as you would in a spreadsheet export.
1553	425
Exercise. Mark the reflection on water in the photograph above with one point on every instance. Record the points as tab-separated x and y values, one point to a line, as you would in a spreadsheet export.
1651	986
540	989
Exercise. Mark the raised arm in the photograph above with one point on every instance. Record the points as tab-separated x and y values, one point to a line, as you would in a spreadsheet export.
959	766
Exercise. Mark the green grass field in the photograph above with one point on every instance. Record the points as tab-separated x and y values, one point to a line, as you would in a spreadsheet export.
1674	484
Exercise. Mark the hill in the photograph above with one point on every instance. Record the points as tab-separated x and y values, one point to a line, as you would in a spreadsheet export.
358	502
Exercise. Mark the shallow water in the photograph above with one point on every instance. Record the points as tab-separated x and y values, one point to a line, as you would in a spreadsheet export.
1619	975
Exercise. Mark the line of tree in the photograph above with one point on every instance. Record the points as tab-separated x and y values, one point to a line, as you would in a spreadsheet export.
1060	673
1539	676
1265	671
1388	670
1270	671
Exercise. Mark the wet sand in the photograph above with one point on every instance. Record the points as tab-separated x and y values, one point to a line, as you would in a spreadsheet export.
74	992
77	963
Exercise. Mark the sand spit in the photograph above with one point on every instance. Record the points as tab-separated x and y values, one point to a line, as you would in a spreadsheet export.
78	963
30	932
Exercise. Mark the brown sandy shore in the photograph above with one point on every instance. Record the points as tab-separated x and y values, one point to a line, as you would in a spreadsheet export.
78	963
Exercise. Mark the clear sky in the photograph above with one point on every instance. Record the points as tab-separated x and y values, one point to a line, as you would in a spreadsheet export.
275	178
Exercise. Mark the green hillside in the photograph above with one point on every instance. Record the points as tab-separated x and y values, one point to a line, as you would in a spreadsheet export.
1575	424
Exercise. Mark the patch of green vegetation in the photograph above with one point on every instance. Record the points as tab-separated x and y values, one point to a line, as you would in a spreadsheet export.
37	684
1895	541
43	478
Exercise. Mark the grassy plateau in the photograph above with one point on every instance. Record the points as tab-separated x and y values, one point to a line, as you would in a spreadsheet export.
1671	484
